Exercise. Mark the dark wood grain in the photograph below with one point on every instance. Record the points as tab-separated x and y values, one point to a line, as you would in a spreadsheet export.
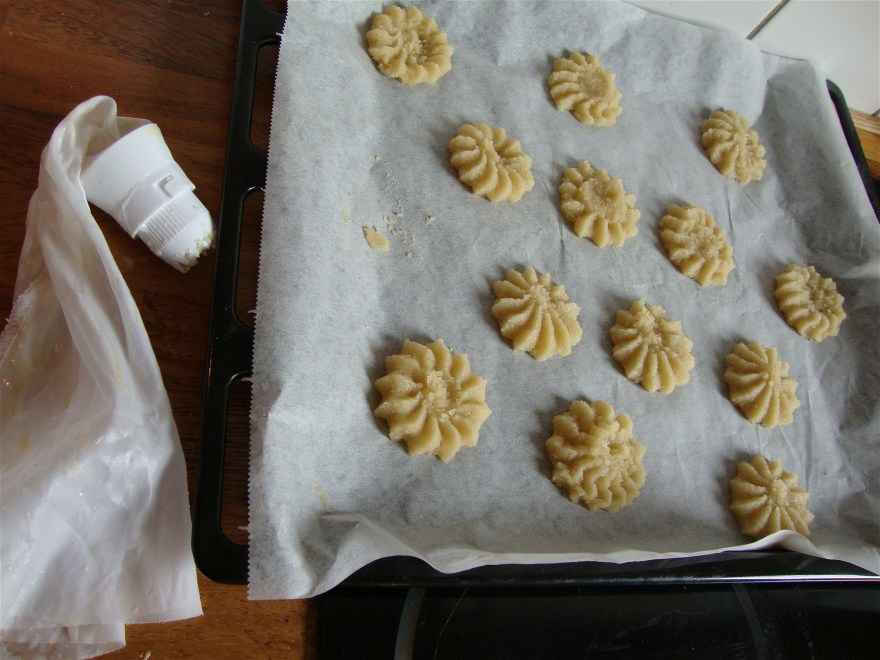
172	62
868	127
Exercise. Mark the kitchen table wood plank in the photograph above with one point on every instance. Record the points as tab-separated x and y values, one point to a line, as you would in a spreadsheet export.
868	128
232	628
51	79
189	36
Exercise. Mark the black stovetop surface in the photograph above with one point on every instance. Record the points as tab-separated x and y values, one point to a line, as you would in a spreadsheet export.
739	621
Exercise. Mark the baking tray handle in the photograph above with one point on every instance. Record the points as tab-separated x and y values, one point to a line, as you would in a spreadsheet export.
231	341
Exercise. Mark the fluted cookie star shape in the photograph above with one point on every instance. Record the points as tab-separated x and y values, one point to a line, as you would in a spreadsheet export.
696	246
765	499
581	85
651	349
809	302
431	400
733	147
409	46
595	460
596	205
759	385
490	163
535	314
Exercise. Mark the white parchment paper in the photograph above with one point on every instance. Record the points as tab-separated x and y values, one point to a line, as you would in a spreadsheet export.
329	492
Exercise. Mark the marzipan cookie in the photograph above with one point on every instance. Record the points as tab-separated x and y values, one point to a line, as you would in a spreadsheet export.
759	385
408	46
734	149
651	349
596	461
490	163
765	499
696	245
581	85
809	302
596	205
431	400
535	314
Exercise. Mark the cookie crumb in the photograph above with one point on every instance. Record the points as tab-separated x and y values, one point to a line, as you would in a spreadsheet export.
375	239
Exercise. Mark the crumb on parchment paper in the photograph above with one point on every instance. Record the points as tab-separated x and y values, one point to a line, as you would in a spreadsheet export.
399	231
376	239
322	495
398	226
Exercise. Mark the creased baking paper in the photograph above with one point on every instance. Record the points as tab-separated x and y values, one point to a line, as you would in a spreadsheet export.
330	492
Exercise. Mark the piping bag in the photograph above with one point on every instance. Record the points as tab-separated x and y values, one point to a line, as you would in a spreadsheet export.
94	513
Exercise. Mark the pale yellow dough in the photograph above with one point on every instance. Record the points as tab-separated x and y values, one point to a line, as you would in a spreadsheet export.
535	314
733	147
696	245
431	400
809	302
651	349
596	205
376	239
595	459
408	46
490	163
580	85
765	499
759	385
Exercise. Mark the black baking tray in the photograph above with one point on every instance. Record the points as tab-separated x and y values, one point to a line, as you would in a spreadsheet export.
230	360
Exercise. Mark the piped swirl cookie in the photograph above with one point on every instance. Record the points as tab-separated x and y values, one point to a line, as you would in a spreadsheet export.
581	85
431	400
809	302
490	163
759	385
696	245
409	46
734	148
596	205
765	499
535	314
595	459
651	349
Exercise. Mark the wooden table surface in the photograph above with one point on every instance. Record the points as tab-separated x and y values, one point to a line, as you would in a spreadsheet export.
171	61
